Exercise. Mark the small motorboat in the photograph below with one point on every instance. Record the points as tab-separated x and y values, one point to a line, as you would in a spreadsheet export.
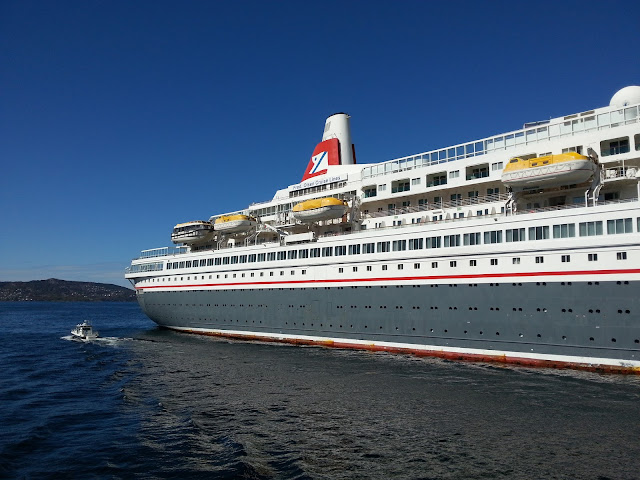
84	331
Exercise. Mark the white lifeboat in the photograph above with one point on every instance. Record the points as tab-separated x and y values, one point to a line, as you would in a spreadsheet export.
197	231
234	223
320	209
548	171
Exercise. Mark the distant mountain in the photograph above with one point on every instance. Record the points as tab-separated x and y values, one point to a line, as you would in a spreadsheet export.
64	291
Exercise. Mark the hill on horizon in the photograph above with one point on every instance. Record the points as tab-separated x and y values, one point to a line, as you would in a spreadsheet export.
55	290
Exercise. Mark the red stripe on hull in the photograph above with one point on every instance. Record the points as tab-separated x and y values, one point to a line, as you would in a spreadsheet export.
453	356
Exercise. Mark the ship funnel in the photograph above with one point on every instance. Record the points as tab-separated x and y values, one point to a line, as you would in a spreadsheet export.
334	149
338	126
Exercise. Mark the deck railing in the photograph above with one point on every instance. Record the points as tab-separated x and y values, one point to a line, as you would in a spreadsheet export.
489	198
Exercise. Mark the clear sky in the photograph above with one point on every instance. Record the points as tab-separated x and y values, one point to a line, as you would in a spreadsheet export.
119	119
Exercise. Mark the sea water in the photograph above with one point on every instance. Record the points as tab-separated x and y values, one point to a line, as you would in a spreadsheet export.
143	402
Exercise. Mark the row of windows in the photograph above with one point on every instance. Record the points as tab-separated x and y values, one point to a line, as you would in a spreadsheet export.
592	257
564	230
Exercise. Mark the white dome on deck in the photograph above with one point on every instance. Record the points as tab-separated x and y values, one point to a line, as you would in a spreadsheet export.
626	96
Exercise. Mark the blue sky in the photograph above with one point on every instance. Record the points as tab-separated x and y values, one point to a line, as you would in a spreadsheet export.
119	119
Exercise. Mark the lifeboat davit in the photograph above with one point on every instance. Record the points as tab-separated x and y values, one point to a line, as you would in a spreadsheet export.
197	231
320	209
549	171
234	223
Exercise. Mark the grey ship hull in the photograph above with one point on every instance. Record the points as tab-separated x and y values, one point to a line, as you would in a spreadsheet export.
591	325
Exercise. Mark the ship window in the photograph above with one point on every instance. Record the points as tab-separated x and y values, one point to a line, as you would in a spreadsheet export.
399	245
515	260
292	254
369	268
471	239
262	257
252	258
382	247
355	269
384	267
282	255
416	244
234	259
370	192
621	255
181	264
327	251
621	225
593	257
271	274
452	240
304	253
434	242
434	264
243	259
416	266
271	256
539	260
203	262
539	233
590	229
168	266
400	266
341	250
494	236
209	262
494	261
515	235
566	258
315	252
564	230
473	263
453	263
354	249
454	174
368	248
614	146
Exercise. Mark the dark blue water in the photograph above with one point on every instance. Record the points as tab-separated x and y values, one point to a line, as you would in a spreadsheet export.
149	403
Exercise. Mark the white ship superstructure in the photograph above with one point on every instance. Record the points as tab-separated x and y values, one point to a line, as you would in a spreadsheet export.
522	247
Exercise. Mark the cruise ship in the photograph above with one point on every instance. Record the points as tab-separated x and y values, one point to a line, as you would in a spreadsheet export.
521	248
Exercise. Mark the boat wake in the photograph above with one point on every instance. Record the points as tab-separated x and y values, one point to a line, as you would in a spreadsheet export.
109	341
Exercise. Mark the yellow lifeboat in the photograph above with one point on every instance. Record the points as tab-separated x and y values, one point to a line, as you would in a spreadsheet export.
234	223
548	171
320	209
188	233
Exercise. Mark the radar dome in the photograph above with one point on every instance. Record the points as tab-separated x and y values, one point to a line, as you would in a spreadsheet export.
626	96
